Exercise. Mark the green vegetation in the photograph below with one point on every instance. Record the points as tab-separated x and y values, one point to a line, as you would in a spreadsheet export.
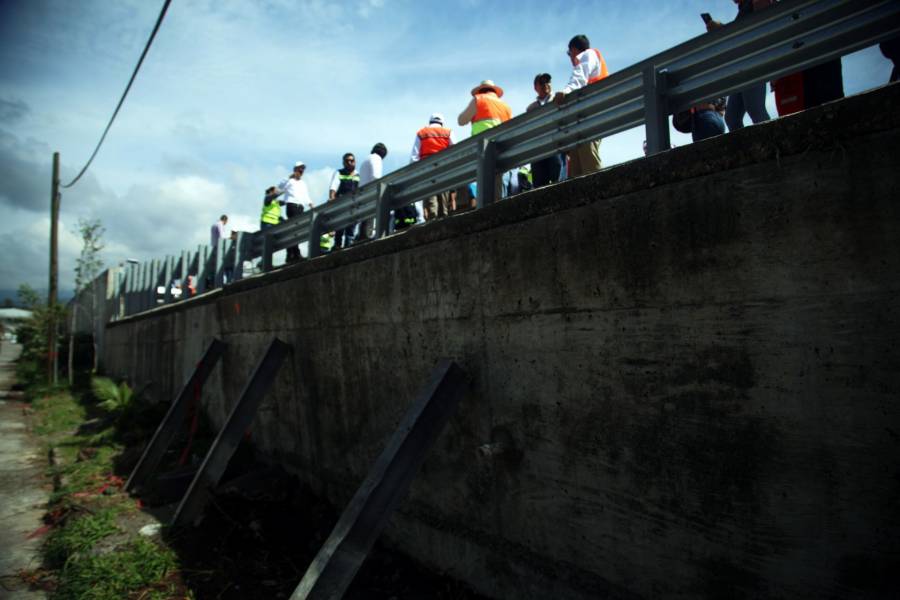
92	549
140	565
114	399
78	537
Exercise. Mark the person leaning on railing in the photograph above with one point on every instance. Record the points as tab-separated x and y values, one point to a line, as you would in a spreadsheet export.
296	198
751	100
271	209
588	67
485	111
431	139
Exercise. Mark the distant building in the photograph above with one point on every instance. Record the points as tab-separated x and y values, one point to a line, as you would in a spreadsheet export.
10	319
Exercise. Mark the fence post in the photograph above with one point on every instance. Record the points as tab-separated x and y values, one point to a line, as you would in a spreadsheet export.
656	110
487	172
383	210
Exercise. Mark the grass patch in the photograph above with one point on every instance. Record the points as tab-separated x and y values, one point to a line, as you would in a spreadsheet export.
140	565
89	549
78	536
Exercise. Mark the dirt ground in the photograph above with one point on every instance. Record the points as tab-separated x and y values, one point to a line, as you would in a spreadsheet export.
23	487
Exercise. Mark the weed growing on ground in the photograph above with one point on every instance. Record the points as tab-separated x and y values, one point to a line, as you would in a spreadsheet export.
138	565
89	548
78	537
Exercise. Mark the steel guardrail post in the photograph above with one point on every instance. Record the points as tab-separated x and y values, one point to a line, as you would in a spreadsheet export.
268	245
656	110
129	278
237	268
220	264
383	210
155	268
145	285
315	232
168	269
487	167
202	268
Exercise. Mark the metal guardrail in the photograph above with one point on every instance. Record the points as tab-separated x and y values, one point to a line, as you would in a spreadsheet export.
791	36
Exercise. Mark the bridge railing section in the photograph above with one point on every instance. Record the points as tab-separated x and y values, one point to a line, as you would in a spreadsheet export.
791	36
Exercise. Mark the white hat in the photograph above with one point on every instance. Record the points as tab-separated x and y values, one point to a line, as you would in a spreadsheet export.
436	118
299	163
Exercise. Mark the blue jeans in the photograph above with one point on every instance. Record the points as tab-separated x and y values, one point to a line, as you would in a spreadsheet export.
706	124
750	101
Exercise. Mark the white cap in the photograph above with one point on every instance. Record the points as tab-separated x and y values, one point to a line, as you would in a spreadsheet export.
436	118
299	163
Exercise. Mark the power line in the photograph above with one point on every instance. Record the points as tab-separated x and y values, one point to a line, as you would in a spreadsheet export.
124	94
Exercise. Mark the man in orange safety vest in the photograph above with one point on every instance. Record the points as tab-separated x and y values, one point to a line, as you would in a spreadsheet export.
431	139
588	67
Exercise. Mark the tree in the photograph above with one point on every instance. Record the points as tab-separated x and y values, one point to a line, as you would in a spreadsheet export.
33	333
87	267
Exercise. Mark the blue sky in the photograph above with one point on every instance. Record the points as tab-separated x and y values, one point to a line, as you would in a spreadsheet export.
233	93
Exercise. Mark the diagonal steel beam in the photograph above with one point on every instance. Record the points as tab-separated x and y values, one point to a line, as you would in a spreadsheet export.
225	444
330	573
164	434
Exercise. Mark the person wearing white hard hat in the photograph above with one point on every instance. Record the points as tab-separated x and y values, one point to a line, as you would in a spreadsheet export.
431	139
296	198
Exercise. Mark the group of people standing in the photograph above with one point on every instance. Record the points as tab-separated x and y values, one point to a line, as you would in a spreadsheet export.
799	91
485	111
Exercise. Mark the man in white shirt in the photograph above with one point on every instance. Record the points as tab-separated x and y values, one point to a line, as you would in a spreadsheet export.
296	198
371	169
588	67
217	231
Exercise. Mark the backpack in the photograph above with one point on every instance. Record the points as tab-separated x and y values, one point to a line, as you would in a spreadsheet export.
681	121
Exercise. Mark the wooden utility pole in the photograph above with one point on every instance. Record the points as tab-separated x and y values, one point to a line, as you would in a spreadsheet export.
54	275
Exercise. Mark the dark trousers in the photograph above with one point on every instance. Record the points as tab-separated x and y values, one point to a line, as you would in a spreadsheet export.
293	210
405	216
546	170
344	237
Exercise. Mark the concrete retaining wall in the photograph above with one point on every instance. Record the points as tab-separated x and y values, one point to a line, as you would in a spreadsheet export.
693	357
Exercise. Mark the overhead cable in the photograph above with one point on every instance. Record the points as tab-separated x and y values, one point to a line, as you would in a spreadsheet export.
162	14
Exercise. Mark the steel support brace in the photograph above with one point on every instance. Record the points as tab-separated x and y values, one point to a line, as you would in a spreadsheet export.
487	172
330	573
383	210
225	444
656	110
174	418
